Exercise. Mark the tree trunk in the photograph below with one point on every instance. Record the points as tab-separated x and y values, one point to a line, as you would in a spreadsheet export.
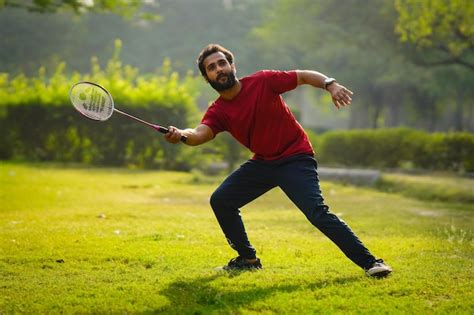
377	107
458	123
392	101
359	117
375	117
470	118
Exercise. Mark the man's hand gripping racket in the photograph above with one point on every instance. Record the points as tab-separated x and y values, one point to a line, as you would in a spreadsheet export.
96	103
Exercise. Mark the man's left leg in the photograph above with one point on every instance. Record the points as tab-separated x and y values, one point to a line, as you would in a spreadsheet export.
298	178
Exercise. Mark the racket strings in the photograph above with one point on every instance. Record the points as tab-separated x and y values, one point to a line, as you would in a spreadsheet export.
92	101
97	101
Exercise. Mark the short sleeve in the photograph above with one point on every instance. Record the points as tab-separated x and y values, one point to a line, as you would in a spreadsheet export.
213	120
281	81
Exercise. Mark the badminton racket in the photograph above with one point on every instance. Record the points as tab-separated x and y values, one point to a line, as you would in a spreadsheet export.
96	103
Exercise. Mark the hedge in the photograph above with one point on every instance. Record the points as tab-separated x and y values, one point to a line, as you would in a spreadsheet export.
38	123
397	148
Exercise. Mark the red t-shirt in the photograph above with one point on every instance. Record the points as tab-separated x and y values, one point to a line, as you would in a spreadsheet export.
259	118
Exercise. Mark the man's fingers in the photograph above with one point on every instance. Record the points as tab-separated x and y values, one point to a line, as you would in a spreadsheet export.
346	99
341	102
343	99
341	96
347	95
170	132
347	91
173	135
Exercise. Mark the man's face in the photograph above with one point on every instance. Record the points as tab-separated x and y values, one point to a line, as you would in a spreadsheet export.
220	74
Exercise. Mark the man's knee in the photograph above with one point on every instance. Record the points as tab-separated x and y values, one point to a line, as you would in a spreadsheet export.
318	214
217	200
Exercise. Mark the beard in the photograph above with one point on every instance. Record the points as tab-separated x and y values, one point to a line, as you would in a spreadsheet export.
230	82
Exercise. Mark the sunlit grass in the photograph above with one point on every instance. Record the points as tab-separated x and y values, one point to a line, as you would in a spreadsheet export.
110	240
449	188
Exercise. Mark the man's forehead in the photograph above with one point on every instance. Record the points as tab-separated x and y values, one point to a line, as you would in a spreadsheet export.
213	58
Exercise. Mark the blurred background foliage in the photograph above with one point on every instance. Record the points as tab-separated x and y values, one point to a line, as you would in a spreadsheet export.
410	64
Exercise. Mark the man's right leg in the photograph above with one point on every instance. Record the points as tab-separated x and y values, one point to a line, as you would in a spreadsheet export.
245	184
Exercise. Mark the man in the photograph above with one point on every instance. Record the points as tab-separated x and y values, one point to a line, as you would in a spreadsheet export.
252	110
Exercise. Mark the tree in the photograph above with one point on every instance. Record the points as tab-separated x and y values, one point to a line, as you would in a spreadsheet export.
442	31
186	26
354	42
126	8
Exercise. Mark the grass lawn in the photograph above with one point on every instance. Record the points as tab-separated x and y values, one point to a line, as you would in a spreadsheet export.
79	240
448	188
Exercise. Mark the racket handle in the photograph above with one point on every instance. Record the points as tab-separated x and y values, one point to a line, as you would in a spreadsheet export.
165	130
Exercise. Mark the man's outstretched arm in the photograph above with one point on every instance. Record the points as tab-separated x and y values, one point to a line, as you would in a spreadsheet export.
341	96
195	136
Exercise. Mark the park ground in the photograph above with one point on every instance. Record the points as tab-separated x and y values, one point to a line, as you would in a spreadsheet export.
95	240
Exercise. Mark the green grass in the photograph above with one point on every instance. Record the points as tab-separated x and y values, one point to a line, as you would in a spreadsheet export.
78	240
436	187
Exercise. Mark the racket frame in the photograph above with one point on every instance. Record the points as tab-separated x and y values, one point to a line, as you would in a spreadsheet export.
153	126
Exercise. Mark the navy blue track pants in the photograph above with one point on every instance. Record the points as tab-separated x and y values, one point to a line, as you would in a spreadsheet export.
297	176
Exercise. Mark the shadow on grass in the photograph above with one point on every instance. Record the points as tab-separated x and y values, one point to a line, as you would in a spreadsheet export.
202	296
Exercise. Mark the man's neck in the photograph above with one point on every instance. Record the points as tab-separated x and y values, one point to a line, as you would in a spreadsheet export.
229	94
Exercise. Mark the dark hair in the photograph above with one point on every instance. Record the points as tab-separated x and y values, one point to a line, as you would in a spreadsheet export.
209	50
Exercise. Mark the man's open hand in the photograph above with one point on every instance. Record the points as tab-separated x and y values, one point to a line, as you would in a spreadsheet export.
341	96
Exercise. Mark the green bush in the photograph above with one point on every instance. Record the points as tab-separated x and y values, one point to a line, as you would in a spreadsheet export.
396	148
38	123
451	151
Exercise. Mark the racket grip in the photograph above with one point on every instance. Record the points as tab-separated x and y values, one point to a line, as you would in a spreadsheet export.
162	129
165	130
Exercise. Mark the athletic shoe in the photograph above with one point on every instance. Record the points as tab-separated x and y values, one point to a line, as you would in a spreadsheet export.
240	264
378	269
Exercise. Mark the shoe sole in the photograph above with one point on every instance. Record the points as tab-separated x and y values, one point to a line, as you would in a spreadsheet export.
220	268
380	274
